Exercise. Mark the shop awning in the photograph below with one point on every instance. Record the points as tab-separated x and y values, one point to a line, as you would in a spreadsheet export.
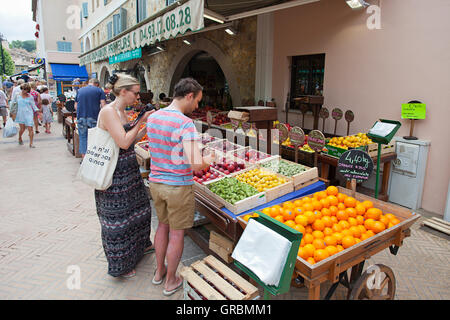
68	72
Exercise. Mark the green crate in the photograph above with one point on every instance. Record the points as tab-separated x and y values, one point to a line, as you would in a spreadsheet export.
295	237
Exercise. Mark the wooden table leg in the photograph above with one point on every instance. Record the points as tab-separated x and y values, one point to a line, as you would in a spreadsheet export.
385	180
325	168
314	292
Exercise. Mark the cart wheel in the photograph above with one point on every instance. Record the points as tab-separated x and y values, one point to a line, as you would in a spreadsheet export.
298	282
376	283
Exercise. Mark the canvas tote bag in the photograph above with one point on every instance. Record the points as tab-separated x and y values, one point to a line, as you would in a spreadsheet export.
100	161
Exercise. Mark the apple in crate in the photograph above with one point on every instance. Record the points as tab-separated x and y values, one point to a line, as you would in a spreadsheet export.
205	175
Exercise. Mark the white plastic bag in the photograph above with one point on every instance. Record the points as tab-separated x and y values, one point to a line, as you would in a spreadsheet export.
263	251
100	161
10	129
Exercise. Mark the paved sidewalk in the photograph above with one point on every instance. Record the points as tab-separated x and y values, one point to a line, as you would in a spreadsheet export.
49	224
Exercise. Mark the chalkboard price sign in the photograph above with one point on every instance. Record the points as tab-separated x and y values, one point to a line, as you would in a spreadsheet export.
283	131
355	164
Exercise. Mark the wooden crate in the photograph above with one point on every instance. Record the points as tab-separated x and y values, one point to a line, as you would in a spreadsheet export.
301	179
241	156
330	268
372	149
221	245
304	157
240	206
210	279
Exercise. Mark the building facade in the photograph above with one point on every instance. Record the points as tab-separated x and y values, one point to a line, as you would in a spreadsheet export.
370	61
57	29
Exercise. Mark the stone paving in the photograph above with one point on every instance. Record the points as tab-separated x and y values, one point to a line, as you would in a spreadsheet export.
49	232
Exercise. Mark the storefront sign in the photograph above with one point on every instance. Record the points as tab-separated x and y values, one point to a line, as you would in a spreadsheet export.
414	110
355	164
129	55
188	16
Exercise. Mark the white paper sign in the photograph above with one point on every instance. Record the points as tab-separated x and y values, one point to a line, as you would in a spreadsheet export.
263	251
382	129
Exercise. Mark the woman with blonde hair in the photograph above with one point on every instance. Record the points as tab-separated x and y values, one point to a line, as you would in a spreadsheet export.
25	110
124	208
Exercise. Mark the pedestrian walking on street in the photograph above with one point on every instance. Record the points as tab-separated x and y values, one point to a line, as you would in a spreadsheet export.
174	153
25	111
3	106
16	92
124	208
37	101
47	112
88	102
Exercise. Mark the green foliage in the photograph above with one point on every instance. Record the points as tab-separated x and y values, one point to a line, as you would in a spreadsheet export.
29	45
9	63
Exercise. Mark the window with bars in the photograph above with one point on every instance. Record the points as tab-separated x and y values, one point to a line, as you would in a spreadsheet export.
307	76
169	2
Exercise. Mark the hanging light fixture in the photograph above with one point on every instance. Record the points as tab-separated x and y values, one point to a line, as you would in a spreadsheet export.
357	4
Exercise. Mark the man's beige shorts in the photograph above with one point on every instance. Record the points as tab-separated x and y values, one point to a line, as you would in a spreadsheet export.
175	205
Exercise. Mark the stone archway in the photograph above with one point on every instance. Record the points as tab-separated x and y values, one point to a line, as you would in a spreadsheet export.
87	44
188	52
104	74
133	65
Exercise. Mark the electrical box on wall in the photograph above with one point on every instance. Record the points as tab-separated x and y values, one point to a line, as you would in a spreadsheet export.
408	172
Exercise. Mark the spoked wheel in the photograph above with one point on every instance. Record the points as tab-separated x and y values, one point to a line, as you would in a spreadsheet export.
376	283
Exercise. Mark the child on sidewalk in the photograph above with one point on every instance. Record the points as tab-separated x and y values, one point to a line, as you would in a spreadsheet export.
47	112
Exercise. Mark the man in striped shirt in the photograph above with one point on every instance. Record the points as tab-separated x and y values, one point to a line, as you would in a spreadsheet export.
173	146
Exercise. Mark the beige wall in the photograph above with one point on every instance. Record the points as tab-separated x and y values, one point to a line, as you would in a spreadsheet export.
374	72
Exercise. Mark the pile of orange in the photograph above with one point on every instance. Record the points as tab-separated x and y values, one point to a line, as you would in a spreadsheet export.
330	222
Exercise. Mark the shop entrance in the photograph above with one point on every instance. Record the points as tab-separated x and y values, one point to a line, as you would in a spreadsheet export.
205	69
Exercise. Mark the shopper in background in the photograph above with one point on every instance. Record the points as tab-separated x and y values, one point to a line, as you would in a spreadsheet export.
25	110
14	95
174	154
3	106
37	101
88	102
124	208
47	112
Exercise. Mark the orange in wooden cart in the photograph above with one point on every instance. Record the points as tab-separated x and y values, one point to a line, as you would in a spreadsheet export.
325	203
310	216
378	227
330	241
320	255
348	241
327	221
318	225
288	214
309	250
311	260
302	220
290	223
341	197
317	234
333	210
318	244
373	213
332	190
360	209
342	215
299	228
308	237
351	212
328	231
384	220
367	204
331	250
333	200
350	202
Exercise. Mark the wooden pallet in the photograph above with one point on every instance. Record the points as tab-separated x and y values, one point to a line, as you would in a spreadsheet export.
210	279
438	224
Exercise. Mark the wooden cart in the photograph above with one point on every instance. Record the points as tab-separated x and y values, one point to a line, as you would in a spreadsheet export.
335	268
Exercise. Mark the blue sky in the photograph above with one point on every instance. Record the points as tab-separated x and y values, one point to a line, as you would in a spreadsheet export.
16	20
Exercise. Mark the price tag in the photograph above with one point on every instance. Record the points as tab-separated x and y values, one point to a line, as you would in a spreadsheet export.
414	111
209	118
316	140
246	126
297	136
234	124
337	114
324	113
349	116
355	164
283	131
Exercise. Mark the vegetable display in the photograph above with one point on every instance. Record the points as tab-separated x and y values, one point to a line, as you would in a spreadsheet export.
285	168
232	190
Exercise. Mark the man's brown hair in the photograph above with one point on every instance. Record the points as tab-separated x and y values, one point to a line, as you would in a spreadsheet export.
186	86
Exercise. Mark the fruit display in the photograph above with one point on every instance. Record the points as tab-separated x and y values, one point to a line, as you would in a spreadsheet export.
285	168
227	167
250	155
206	138
223	146
220	119
206	175
232	190
261	180
331	222
356	141
306	148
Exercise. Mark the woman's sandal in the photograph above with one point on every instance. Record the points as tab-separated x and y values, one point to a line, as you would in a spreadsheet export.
129	275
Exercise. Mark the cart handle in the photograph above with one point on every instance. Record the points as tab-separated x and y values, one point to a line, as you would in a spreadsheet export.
372	244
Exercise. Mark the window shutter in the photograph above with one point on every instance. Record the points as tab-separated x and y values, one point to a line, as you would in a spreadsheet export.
141	6
82	47
106	2
109	28
123	19
116	24
85	9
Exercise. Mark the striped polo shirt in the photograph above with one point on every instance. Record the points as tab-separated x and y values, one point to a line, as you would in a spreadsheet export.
166	130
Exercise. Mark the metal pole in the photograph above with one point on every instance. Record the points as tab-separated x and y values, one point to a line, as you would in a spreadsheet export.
378	170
